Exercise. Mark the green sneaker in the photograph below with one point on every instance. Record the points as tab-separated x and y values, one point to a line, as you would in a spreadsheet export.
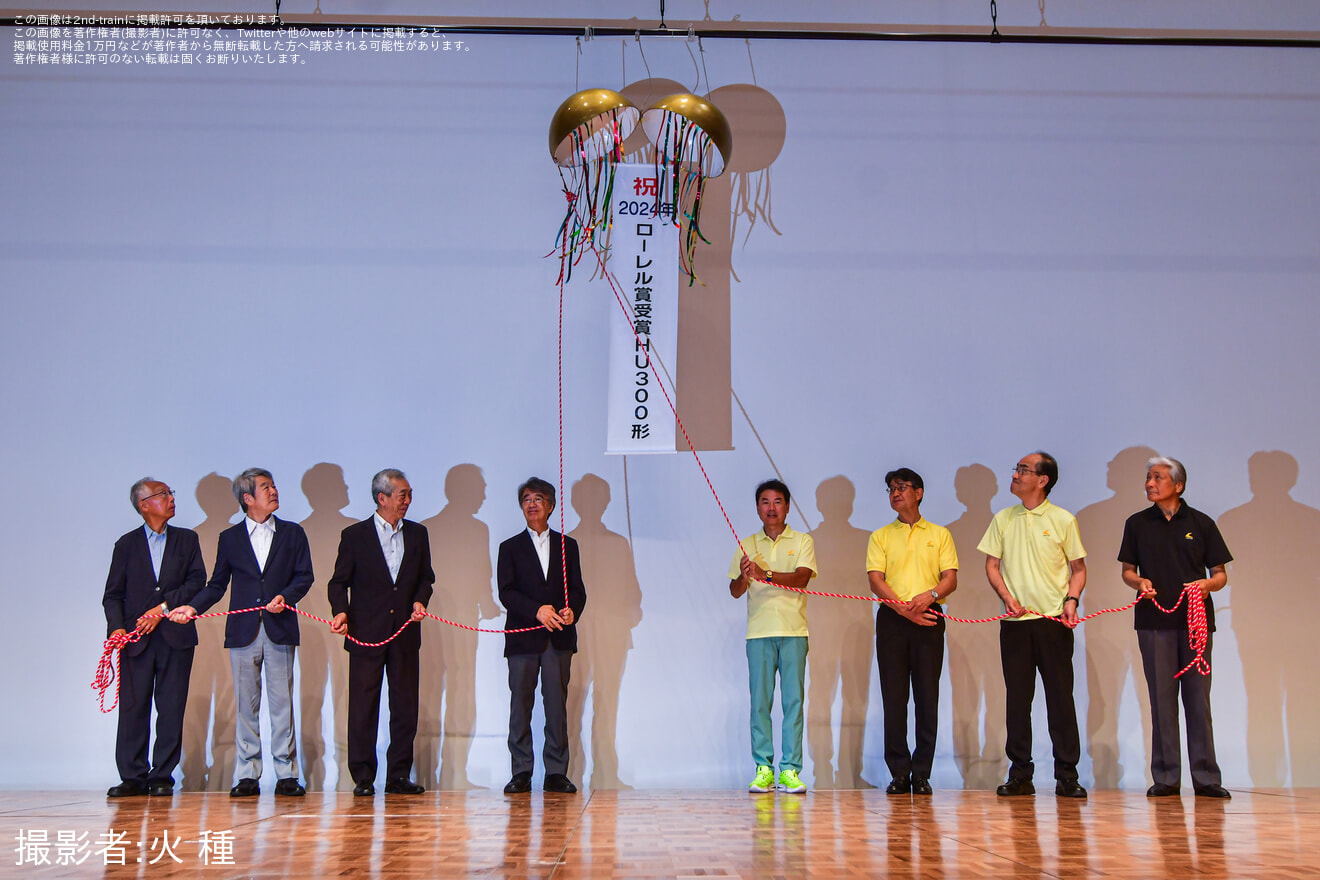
789	782
764	781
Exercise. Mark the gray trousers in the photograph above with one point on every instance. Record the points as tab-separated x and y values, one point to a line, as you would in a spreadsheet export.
552	666
247	663
1163	653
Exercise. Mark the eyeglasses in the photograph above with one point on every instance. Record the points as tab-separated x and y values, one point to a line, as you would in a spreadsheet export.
169	492
899	488
1022	470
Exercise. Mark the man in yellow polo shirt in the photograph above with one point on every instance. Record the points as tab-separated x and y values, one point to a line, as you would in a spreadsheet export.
913	562
776	633
1035	561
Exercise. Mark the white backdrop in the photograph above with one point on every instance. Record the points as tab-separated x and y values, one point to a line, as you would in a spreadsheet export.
983	250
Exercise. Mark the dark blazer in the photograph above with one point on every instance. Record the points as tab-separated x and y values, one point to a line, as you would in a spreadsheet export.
524	589
288	573
132	589
361	585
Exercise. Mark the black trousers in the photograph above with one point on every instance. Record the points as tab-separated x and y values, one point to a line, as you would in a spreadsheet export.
1025	648
1163	653
552	666
365	673
910	657
161	673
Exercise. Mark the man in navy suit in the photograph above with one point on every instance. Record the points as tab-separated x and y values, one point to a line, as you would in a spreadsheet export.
270	563
153	569
382	582
531	572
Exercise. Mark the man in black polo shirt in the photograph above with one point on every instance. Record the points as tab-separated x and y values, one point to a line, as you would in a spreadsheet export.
1166	547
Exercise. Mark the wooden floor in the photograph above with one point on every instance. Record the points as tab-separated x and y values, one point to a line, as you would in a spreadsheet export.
955	834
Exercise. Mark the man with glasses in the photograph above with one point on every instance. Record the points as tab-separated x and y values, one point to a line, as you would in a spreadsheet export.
912	565
1035	562
535	570
270	564
153	569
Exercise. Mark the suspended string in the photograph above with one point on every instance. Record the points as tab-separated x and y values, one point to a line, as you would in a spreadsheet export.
680	169
588	191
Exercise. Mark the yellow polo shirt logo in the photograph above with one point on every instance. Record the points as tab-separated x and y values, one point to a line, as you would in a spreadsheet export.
1047	533
1188	536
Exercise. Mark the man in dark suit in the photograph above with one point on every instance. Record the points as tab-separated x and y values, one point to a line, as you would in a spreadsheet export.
153	569
270	563
382	581
531	572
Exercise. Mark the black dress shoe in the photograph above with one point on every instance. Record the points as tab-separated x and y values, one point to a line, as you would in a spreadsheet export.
1159	789
364	789
404	786
1212	791
245	788
1015	787
127	788
521	783
899	786
560	783
160	789
1069	788
289	788
921	786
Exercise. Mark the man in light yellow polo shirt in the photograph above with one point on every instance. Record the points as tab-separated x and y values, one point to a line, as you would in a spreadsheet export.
1035	561
776	633
914	562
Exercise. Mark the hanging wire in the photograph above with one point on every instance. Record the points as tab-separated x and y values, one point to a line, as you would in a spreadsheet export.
577	64
701	50
994	20
638	37
750	62
696	88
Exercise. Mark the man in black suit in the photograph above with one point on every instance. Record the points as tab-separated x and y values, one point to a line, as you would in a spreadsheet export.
153	569
382	581
270	564
531	571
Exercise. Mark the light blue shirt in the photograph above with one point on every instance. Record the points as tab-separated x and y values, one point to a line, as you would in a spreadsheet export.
391	544
155	544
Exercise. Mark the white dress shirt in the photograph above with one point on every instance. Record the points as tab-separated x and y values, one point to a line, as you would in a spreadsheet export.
391	543
261	534
542	544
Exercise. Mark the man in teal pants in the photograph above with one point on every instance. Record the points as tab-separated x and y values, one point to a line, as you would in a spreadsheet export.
776	632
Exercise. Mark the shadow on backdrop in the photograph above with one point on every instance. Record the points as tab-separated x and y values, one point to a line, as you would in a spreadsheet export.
322	660
975	674
1111	642
703	371
843	646
447	714
210	709
1272	581
604	634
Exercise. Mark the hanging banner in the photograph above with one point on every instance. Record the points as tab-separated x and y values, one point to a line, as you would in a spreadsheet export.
643	258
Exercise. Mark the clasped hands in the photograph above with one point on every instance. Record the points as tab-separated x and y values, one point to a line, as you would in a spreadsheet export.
552	619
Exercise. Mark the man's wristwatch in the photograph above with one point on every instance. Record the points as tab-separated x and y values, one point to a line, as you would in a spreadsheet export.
935	595
1068	599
